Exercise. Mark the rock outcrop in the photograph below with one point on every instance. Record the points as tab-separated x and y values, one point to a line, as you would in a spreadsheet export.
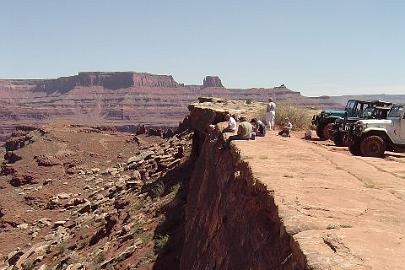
231	219
212	81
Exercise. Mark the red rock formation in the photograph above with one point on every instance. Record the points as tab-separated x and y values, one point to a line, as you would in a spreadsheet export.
118	98
108	80
212	81
231	220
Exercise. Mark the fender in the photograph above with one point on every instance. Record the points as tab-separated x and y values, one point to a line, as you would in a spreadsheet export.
379	132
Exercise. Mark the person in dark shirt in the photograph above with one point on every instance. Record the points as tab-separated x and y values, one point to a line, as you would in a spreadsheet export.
258	127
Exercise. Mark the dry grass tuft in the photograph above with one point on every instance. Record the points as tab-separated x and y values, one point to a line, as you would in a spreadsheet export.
299	116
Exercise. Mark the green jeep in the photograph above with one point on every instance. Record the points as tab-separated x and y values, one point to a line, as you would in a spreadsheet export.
325	121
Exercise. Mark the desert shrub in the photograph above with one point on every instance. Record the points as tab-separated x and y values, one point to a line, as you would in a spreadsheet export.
300	117
160	242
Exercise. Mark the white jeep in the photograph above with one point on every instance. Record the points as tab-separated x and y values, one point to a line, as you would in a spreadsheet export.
371	138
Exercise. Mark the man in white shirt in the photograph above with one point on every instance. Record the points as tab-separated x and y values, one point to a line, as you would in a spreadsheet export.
271	114
231	124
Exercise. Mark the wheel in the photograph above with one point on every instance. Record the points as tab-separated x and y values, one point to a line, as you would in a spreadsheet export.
372	146
328	131
346	140
355	149
319	132
338	139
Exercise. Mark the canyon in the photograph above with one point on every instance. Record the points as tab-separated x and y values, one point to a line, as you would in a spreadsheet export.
80	197
123	100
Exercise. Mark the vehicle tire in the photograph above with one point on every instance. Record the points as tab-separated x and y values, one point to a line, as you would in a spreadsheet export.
372	146
355	149
338	139
328	131
346	140
319	132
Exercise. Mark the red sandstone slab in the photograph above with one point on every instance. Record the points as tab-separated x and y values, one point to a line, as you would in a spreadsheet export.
345	212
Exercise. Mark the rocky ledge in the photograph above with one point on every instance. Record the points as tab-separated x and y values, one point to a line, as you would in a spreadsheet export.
277	203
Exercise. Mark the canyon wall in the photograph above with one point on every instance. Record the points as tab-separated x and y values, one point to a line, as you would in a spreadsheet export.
120	98
231	219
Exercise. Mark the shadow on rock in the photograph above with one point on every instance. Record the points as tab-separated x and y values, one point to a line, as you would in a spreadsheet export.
169	235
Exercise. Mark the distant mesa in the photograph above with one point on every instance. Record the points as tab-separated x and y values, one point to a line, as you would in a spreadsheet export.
108	80
212	81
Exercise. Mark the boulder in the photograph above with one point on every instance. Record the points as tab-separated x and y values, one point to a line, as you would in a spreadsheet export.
12	157
20	180
155	132
7	170
48	161
141	130
168	133
140	156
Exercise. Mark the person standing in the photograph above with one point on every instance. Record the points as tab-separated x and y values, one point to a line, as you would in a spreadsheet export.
271	114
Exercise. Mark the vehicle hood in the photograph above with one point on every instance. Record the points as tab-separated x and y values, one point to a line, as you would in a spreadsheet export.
376	122
334	112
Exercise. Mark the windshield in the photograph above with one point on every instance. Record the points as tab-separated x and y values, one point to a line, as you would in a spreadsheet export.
355	108
396	112
350	104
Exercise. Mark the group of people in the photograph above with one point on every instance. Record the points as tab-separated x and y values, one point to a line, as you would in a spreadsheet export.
247	130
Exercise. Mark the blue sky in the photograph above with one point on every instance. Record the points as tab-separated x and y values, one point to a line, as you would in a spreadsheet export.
316	47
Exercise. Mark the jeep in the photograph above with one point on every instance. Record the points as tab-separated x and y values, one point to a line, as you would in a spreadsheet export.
372	137
343	126
324	122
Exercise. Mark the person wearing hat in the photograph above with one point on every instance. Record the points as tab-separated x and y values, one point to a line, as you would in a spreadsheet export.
285	132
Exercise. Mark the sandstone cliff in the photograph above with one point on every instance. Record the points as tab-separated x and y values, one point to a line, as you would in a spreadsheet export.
231	220
277	203
212	81
119	98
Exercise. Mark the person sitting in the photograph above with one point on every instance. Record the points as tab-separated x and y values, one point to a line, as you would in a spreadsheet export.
285	132
258	127
244	132
231	123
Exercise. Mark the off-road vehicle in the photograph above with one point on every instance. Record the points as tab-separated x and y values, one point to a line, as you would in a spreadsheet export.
325	120
372	137
343	126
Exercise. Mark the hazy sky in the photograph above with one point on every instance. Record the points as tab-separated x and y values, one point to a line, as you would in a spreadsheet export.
316	47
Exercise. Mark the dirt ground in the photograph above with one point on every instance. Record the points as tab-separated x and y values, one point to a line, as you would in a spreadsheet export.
81	168
345	212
